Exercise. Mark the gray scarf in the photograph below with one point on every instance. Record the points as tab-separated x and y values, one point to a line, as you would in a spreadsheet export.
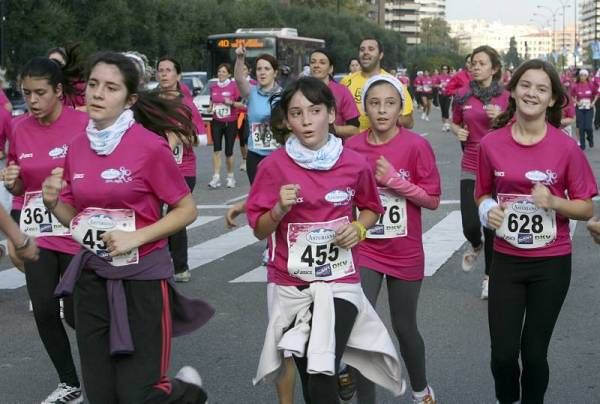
485	95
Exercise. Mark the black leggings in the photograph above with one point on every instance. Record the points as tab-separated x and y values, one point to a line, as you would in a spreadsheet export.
139	377
225	130
178	242
403	297
471	224
525	298
42	276
252	164
319	388
445	106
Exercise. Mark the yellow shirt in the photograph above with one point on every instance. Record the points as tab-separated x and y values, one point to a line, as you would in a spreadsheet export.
355	83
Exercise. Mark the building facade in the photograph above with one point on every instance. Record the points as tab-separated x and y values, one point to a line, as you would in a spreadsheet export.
589	22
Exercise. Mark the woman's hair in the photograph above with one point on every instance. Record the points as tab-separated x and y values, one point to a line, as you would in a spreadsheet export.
351	59
578	77
60	50
494	58
172	60
313	89
227	67
156	114
325	52
68	74
277	122
554	112
268	58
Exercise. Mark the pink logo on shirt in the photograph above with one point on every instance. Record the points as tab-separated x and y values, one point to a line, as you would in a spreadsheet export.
120	176
25	156
404	174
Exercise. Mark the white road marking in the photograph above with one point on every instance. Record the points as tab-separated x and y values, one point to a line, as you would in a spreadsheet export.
221	246
234	200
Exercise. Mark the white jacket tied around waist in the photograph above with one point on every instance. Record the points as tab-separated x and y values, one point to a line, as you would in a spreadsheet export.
369	349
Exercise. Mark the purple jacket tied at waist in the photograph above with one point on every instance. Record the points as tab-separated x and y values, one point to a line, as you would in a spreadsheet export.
187	314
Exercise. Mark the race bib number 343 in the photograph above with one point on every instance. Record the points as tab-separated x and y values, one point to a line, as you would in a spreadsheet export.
312	254
90	224
36	220
262	136
525	225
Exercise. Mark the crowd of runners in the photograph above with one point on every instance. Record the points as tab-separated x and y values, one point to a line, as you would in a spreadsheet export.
102	172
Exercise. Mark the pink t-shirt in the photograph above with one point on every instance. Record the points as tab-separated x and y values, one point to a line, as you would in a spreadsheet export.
147	178
418	83
3	98
566	80
218	95
345	107
507	167
569	109
322	195
5	127
411	156
188	162
472	115
427	83
404	80
584	90
442	81
17	201
38	149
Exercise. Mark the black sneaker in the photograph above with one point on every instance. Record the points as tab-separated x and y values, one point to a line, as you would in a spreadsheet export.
346	386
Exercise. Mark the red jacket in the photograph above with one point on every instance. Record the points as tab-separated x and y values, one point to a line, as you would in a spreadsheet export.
459	80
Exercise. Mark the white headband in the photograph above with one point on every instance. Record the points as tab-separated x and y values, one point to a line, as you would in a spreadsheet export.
388	79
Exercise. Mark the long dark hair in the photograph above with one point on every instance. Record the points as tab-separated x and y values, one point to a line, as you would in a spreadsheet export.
159	115
73	72
554	112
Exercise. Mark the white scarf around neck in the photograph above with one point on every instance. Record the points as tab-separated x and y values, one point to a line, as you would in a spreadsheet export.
105	141
322	159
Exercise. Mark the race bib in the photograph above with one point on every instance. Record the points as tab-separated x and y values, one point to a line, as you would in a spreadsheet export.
178	152
419	88
585	103
312	256
222	111
36	220
526	226
392	223
426	88
89	225
262	137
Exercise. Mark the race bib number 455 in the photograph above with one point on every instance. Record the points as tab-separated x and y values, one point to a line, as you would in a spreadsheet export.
89	225
312	254
36	220
525	225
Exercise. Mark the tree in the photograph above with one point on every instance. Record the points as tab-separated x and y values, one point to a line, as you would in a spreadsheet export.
512	58
435	33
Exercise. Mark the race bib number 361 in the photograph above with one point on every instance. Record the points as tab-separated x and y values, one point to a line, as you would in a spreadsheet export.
36	220
312	255
392	223
526	226
89	225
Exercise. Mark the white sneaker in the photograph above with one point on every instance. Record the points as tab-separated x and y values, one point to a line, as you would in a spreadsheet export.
215	182
64	394
230	182
485	288
423	116
184	276
470	257
429	398
265	257
427	118
243	165
189	375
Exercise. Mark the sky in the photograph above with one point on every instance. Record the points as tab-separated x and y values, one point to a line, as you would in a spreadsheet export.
510	11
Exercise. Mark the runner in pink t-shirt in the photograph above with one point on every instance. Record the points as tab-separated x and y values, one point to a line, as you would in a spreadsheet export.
585	94
168	73
4	101
39	144
404	166
473	110
444	98
307	212
346	114
225	103
531	180
113	201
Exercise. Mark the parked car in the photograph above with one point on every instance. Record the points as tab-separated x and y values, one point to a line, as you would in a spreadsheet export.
193	83
202	76
16	99
202	101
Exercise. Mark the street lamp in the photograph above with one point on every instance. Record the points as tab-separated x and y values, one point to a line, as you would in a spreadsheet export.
554	13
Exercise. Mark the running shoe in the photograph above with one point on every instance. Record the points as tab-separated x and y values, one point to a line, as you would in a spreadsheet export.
190	375
230	182
215	182
427	118
64	394
346	386
427	399
183	277
470	257
485	288
243	165
423	116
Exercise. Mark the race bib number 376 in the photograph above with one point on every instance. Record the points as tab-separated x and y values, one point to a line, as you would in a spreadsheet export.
89	226
36	220
392	223
312	254
525	225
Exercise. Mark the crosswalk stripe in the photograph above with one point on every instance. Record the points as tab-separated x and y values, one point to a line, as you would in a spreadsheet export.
12	278
439	242
219	247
